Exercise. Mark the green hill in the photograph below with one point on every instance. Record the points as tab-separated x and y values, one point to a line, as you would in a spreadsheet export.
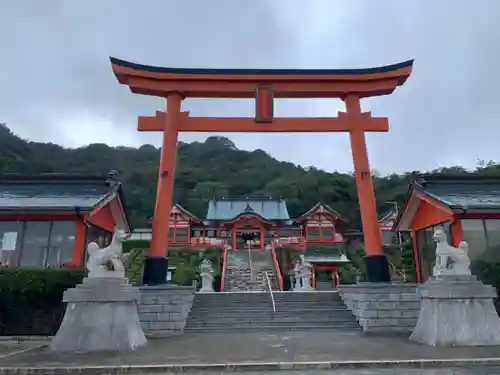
204	170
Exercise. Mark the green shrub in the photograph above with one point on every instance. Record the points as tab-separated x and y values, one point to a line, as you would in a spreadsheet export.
488	273
185	274
127	246
31	299
348	274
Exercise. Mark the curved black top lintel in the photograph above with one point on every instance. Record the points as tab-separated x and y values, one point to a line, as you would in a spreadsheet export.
157	69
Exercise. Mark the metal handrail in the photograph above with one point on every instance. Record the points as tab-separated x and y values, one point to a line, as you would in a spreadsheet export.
270	291
277	268
250	261
224	265
401	273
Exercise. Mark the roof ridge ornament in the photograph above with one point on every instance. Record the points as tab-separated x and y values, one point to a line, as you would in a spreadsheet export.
248	208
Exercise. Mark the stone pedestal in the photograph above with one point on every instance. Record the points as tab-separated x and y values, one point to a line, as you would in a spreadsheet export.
458	311
207	283
101	314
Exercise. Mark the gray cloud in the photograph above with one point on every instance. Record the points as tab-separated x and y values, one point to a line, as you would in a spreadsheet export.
56	83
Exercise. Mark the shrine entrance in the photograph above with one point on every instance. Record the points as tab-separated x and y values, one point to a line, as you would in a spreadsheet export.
350	85
248	231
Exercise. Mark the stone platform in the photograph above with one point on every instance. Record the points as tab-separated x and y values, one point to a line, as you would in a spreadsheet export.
383	307
457	310
163	309
101	314
257	352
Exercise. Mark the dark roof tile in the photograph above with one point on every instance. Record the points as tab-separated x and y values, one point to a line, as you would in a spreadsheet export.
53	191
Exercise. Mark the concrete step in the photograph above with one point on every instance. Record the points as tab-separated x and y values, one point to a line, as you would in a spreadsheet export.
273	328
222	312
217	301
268	310
267	307
227	322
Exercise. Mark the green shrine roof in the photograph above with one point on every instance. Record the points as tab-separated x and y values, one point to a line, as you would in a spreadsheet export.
54	191
325	256
229	208
462	191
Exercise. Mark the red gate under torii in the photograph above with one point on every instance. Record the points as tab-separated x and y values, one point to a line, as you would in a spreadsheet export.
264	85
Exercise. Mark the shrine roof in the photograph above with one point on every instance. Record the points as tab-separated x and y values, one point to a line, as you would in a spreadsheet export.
461	191
457	193
229	208
318	207
204	71
179	208
325	256
56	191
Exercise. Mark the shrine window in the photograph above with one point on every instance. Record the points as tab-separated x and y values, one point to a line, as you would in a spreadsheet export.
10	242
42	243
61	243
182	234
483	238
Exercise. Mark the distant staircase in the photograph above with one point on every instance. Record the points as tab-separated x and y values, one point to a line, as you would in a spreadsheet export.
246	271
253	311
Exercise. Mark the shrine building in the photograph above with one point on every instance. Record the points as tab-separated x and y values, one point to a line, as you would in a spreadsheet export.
466	205
47	220
256	222
259	223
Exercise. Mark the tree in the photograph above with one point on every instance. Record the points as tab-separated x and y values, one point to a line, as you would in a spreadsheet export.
214	168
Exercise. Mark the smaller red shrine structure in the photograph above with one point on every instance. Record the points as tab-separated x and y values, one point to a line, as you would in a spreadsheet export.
47	220
466	205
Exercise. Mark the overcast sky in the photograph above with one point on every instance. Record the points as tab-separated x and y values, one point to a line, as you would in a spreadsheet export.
56	82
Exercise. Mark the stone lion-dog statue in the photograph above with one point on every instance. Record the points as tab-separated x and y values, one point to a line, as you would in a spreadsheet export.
100	260
444	252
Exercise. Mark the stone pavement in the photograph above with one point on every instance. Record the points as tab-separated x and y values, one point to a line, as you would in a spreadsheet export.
314	350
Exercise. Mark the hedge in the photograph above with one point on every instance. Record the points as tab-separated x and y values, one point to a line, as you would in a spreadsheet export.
31	299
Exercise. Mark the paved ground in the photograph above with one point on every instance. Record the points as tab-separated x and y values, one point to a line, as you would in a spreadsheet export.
255	347
7	348
451	371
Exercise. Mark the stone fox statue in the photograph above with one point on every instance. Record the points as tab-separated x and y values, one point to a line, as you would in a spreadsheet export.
97	265
444	252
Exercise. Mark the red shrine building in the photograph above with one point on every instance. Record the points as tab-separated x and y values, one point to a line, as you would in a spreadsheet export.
256	222
467	206
47	220
259	223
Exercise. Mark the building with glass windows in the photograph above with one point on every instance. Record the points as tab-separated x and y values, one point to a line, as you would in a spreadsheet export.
467	206
47	220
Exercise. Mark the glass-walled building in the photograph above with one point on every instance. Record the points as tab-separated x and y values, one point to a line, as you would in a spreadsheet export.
467	206
48	220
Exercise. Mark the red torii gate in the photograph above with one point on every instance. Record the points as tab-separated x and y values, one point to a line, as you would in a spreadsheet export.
264	85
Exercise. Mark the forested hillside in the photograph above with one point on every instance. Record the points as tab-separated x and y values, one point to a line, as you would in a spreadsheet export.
204	170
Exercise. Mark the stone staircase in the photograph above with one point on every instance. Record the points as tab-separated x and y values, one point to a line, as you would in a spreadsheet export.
253	311
239	276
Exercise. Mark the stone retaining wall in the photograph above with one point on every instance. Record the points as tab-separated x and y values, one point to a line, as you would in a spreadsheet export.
383	307
163	309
